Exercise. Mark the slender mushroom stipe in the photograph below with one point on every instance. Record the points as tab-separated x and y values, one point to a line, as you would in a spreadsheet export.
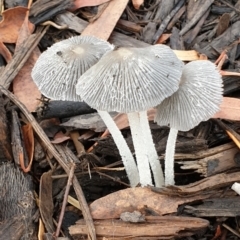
198	98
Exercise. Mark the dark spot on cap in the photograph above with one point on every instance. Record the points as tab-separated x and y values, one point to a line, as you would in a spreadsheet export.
59	53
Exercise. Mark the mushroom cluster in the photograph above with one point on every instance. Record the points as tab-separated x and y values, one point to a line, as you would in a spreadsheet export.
132	80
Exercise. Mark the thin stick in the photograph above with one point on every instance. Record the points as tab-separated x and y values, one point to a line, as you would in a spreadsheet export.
69	184
112	178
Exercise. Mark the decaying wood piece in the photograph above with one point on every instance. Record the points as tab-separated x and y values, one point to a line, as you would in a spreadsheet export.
203	186
13	3
222	42
223	160
89	121
192	34
192	145
118	39
167	20
78	24
231	83
63	109
201	7
44	10
161	227
204	154
176	18
216	207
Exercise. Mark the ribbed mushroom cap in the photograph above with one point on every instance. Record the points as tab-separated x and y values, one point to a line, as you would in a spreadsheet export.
131	79
197	99
58	68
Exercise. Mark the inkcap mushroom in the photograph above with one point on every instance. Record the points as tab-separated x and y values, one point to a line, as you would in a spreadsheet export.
132	80
56	73
197	99
58	68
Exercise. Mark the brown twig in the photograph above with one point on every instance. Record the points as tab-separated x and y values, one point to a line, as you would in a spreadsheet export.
69	183
112	178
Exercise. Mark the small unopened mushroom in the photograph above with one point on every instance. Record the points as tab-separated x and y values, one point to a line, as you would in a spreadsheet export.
197	99
56	73
132	80
236	187
58	68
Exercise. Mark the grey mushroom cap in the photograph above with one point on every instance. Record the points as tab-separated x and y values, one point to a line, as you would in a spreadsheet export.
131	79
198	98
58	68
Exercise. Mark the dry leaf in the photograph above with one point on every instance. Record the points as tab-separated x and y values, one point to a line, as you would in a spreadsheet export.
13	19
86	3
229	109
28	138
137	3
23	86
60	137
104	25
131	199
46	201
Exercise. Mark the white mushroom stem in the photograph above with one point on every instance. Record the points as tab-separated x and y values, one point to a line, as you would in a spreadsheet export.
139	146
151	150
124	151
169	157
